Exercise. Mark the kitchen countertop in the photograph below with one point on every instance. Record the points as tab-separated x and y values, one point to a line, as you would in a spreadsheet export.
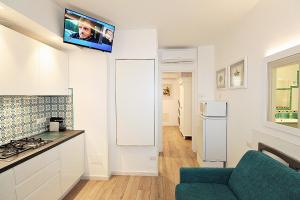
56	137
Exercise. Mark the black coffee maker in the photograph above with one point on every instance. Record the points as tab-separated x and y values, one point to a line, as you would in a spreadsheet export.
61	121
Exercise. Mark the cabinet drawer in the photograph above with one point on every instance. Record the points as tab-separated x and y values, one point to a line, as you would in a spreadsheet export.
72	161
7	186
50	190
32	166
34	182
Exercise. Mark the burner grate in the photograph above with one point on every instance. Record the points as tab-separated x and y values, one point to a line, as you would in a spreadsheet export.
18	146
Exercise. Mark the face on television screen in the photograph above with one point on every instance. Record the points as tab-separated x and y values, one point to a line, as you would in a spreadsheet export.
89	32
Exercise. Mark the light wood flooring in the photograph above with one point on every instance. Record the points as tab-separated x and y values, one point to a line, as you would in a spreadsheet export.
177	153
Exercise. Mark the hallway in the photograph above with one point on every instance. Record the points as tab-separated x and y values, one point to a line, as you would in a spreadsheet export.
176	153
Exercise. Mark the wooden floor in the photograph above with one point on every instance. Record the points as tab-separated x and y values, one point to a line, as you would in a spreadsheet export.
177	153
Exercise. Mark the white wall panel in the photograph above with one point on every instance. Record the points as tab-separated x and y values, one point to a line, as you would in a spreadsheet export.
135	101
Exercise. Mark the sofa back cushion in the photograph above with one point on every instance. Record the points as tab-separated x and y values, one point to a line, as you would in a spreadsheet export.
260	177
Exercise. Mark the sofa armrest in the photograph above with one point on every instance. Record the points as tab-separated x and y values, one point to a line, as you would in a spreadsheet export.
205	175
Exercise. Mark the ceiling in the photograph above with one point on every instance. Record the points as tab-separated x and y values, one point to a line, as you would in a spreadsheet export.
180	23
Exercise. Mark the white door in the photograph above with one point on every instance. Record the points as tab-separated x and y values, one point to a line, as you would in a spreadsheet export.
200	139
215	139
135	101
181	108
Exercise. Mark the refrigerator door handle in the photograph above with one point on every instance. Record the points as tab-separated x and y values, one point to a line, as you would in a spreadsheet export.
204	139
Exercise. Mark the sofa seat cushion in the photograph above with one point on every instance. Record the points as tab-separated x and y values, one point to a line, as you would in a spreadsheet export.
260	177
203	191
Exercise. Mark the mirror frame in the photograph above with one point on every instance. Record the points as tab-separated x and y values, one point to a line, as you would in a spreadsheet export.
275	57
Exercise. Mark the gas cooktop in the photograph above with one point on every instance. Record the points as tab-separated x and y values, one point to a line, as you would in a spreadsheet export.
18	146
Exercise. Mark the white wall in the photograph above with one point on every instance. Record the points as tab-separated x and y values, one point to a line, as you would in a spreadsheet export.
46	13
170	104
206	73
203	82
88	78
135	44
131	44
272	25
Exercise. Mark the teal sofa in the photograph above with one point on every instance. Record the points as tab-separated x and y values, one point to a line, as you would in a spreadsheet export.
256	177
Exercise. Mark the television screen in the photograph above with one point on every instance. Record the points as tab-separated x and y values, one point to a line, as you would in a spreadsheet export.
88	32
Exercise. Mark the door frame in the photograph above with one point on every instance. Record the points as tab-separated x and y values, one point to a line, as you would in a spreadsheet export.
194	102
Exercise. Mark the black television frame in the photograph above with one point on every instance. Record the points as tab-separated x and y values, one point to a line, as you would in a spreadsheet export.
89	47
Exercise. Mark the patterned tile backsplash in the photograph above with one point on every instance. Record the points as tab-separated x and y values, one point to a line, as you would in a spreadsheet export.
19	114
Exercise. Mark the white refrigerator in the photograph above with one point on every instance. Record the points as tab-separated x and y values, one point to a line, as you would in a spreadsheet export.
212	141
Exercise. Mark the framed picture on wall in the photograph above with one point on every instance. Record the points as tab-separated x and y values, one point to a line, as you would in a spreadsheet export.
167	90
238	74
221	78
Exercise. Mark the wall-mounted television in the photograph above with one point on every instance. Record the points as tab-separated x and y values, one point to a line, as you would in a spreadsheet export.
86	31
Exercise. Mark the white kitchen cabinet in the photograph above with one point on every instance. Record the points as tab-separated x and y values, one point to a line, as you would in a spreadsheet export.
72	162
19	63
34	165
32	184
7	185
53	74
49	175
49	190
29	67
30	175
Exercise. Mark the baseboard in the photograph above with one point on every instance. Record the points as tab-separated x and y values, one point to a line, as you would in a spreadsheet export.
95	178
121	173
69	189
209	164
199	159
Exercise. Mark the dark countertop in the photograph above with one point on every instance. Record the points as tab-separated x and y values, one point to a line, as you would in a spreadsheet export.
56	137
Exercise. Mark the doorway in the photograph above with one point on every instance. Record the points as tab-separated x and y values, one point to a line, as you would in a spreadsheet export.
177	113
177	105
